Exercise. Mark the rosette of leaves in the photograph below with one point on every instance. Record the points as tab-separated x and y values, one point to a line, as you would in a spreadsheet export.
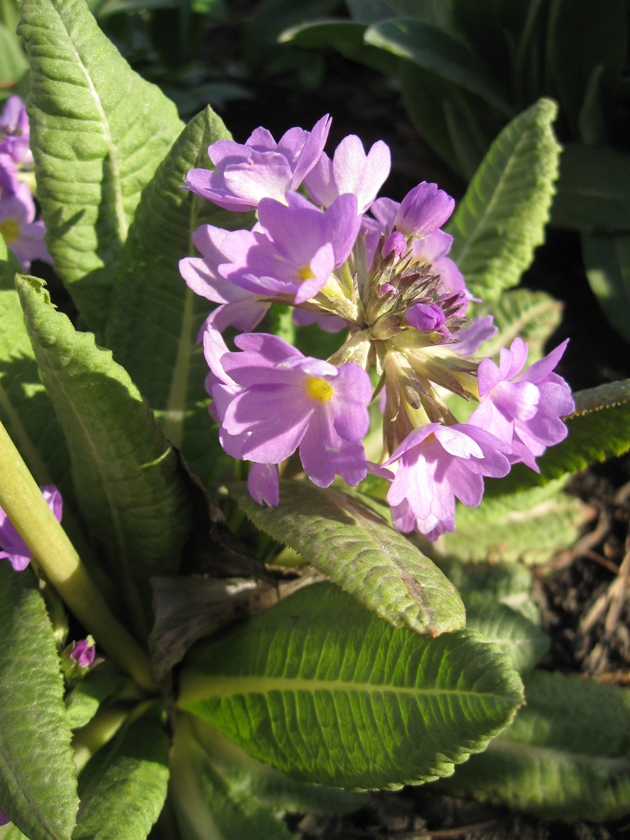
367	679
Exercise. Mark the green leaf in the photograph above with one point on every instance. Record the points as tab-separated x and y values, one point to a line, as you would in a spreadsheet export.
566	756
10	832
268	785
516	635
127	478
38	789
84	700
436	51
10	13
593	192
123	786
327	692
25	409
346	37
501	219
599	428
529	526
607	262
342	534
155	318
98	132
13	63
578	42
214	805
509	584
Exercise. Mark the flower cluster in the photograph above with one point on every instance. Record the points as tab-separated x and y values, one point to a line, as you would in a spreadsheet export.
22	234
380	270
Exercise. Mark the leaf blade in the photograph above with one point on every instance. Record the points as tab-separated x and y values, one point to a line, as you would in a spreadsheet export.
37	777
127	479
98	132
326	691
126	788
565	756
501	219
155	318
358	550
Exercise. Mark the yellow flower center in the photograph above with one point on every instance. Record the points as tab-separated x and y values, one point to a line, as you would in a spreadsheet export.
306	273
319	389
10	230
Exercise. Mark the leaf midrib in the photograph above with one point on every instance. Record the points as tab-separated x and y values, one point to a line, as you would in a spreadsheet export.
224	686
113	160
495	196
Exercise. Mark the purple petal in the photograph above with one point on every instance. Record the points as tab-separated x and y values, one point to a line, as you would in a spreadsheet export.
423	210
264	485
311	150
478	331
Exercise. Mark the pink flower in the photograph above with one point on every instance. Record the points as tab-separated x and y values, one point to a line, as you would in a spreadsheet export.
261	168
523	409
350	171
15	132
272	400
23	235
435	465
294	247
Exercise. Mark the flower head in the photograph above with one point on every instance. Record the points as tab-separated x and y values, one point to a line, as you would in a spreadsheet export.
13	546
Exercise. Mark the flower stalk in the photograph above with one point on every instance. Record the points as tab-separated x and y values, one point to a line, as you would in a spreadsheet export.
22	501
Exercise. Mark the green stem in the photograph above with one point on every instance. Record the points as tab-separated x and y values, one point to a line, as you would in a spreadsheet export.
23	503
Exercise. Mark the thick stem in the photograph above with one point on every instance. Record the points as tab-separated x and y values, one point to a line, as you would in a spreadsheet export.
23	503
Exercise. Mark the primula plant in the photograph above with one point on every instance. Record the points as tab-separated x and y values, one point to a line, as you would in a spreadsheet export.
307	439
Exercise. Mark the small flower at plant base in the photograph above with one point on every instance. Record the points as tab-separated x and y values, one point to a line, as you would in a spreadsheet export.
13	546
15	132
435	465
261	168
83	652
350	171
287	401
4	820
523	408
78	658
23	235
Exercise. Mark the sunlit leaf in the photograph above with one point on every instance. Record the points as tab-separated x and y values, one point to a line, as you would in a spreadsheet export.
98	132
127	478
566	755
327	692
340	534
501	219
